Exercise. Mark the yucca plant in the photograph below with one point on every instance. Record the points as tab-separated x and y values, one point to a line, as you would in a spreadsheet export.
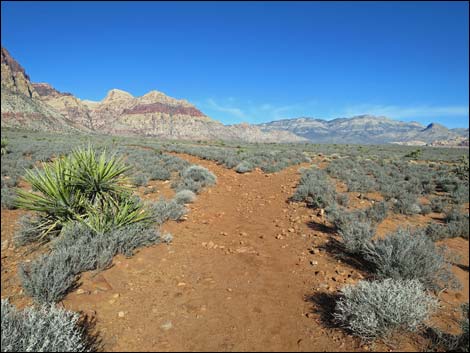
98	177
116	215
4	149
81	187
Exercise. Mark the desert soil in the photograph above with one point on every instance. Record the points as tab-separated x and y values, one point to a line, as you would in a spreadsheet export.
247	270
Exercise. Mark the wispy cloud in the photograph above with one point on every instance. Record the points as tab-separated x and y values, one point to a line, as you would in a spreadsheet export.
251	112
406	112
233	111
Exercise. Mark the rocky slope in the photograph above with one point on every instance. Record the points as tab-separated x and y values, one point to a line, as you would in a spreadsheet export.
153	114
41	106
21	104
365	129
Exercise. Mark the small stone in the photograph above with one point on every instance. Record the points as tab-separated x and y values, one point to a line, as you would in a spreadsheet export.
291	230
5	244
117	295
112	301
229	289
121	314
81	291
243	234
210	245
313	263
223	233
167	326
181	284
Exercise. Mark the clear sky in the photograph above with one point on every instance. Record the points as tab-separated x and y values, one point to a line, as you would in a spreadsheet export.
255	61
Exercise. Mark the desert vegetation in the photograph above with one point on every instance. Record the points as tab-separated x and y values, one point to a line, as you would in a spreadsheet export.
83	200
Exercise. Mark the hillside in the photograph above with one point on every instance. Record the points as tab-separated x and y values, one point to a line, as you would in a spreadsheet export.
366	129
39	106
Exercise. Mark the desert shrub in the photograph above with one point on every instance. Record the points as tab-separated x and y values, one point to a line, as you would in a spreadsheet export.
195	178
28	231
463	338
185	196
8	198
140	180
377	212
456	225
160	174
315	189
438	204
460	194
356	235
425	209
81	187
10	182
407	204
244	167
342	199
445	342
78	249
459	228
164	210
409	255
44	329
49	278
453	214
342	219
376	309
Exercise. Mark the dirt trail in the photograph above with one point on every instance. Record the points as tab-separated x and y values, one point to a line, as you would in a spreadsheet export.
234	278
246	271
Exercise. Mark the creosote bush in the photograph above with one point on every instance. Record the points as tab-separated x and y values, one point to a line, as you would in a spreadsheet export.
407	255
44	329
376	309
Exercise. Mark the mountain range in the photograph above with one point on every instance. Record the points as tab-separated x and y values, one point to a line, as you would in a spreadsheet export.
39	106
370	130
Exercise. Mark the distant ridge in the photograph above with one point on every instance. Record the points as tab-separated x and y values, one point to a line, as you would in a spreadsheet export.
40	106
368	129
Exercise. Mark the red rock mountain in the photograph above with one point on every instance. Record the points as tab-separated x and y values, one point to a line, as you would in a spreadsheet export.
40	106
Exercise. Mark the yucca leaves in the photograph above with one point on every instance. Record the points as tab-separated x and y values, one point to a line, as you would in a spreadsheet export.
118	215
82	187
98	177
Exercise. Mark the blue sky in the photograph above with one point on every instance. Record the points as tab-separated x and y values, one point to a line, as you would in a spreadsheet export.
255	61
